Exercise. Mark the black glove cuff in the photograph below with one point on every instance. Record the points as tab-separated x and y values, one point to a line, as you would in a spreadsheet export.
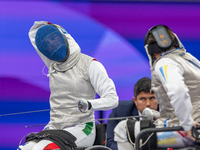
89	105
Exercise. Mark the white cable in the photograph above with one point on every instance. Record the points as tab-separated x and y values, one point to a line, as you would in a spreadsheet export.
129	134
130	137
44	72
147	140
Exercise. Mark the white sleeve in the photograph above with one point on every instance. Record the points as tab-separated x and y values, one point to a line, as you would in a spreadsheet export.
170	74
103	86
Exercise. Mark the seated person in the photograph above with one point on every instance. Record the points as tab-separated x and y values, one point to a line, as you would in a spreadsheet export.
176	83
74	80
143	98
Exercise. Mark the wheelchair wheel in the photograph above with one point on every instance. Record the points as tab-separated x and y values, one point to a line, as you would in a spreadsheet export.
98	147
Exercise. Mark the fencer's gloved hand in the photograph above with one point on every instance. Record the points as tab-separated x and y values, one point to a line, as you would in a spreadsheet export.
150	114
84	105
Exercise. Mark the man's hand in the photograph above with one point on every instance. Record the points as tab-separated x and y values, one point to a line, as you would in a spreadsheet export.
189	133
84	105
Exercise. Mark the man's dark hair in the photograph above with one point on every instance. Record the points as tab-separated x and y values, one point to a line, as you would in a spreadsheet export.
142	85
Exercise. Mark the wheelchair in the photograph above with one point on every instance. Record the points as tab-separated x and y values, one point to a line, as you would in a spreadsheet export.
147	131
99	143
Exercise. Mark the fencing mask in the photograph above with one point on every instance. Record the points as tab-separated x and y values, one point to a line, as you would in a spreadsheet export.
52	43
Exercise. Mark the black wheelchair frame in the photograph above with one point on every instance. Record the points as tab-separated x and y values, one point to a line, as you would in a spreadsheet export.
195	134
100	140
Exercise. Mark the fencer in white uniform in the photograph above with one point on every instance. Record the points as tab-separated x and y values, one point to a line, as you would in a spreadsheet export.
176	84
74	80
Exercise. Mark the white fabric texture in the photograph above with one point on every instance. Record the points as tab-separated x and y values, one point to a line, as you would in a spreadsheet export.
103	86
178	95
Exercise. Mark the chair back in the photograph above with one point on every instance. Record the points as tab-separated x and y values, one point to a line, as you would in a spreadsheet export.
100	134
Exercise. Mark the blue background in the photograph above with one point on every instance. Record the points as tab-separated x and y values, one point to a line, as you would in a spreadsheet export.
112	32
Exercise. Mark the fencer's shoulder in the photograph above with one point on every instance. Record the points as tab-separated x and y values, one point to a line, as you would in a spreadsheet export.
164	61
85	59
85	56
95	64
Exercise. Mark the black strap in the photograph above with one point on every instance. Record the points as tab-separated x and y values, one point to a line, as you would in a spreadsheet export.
131	129
100	134
152	142
62	138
